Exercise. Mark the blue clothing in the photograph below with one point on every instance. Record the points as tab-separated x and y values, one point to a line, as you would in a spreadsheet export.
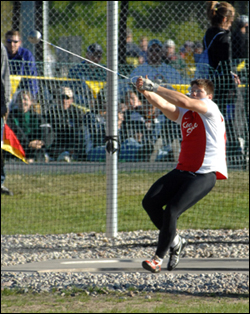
86	71
132	50
23	63
163	72
144	54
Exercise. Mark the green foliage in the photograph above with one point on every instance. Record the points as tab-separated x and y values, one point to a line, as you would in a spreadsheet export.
6	25
145	18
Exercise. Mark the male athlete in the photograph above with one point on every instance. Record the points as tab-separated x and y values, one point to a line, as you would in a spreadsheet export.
202	160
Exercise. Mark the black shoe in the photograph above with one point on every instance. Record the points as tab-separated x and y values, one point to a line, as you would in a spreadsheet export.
175	254
5	191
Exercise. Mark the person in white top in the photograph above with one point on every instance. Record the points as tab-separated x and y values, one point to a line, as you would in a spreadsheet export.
202	160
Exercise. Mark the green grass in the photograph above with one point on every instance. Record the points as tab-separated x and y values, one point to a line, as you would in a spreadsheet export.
14	302
77	203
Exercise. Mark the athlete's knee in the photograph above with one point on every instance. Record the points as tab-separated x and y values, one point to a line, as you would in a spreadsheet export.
147	204
144	203
171	213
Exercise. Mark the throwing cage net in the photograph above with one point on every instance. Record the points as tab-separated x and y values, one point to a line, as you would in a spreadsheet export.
58	108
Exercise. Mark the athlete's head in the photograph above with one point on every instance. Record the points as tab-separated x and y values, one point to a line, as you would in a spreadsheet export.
202	88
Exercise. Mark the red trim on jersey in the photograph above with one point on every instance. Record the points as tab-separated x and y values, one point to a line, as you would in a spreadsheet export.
220	176
193	144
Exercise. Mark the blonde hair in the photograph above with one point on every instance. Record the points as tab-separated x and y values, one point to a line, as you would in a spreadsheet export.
21	94
217	11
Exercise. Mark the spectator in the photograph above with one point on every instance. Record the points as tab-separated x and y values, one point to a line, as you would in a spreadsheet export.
166	75
87	71
30	128
132	50
136	142
5	98
67	122
155	68
95	129
144	48
221	16
227	95
240	38
198	49
121	112
170	57
21	60
187	53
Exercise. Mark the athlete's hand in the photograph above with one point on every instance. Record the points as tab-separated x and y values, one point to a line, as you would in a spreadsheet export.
146	84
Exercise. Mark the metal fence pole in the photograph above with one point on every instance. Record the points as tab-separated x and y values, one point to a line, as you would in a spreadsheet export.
27	23
112	88
45	35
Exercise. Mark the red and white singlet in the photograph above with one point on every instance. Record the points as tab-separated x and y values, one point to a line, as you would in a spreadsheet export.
203	147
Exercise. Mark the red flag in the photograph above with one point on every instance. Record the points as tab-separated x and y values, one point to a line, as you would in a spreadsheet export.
12	145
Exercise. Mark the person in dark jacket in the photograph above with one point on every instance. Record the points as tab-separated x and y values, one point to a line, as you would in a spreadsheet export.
221	16
240	38
66	120
21	60
29	127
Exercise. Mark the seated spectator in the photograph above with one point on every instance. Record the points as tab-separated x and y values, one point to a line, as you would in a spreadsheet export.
240	38
21	60
155	68
132	50
86	71
198	49
95	130
187	53
170	57
121	112
67	122
144	48
30	128
135	138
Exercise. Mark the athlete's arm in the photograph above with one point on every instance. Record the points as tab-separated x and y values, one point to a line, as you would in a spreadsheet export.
181	100
173	97
168	109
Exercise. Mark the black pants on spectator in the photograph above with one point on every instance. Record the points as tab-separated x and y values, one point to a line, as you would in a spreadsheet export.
178	190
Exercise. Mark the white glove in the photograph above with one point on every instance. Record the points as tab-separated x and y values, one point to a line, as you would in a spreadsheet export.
149	85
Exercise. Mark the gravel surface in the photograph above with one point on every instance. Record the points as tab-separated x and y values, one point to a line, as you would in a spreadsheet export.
21	249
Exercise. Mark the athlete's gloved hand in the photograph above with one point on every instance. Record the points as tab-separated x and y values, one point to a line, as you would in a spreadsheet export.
149	85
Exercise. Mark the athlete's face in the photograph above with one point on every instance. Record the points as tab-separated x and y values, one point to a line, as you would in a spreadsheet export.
198	92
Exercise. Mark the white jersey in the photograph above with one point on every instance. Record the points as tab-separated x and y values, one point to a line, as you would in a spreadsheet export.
203	147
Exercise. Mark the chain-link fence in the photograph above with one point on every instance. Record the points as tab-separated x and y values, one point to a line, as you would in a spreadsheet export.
63	128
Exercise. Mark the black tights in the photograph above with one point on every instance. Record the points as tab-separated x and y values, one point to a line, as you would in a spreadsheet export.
178	190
